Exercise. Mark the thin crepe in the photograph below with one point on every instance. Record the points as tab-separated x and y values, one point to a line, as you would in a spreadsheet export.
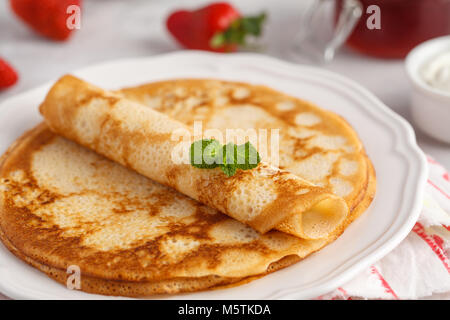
63	205
314	144
140	138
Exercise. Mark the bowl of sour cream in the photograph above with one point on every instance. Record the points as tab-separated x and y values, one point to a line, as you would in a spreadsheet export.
428	67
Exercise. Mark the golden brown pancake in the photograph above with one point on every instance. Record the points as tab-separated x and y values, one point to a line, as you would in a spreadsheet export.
315	144
62	205
149	142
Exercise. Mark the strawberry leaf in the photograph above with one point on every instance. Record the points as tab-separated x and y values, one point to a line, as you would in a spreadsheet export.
218	40
238	31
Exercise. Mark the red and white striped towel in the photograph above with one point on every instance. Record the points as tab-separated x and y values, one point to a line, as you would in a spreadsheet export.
420	266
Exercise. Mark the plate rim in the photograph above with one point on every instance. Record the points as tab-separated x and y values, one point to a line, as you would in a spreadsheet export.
403	132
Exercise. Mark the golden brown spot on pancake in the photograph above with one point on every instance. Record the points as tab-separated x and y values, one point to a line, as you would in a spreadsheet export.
172	176
23	163
209	188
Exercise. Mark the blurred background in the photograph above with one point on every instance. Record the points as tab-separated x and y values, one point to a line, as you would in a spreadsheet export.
112	29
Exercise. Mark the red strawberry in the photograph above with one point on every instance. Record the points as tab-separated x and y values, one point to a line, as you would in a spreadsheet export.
217	27
8	76
46	17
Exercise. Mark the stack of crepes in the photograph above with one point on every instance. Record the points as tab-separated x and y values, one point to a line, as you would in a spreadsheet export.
146	238
142	139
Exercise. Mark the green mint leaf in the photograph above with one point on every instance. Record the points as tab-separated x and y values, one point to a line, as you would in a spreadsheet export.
229	170
205	153
229	154
241	159
238	30
210	154
247	156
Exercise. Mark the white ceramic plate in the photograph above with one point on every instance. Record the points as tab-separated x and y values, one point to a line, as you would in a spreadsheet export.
389	141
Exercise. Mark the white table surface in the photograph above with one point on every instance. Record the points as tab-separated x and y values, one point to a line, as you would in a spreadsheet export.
112	29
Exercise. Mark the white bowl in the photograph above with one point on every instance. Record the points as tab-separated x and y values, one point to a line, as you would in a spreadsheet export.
430	107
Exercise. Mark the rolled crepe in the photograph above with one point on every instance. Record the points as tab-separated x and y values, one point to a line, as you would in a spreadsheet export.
142	139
